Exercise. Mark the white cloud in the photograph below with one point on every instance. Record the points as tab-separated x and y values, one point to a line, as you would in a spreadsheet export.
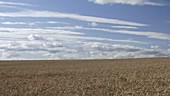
32	13
60	49
14	3
56	43
7	55
83	50
155	46
27	31
13	23
148	34
33	23
32	37
155	35
125	27
9	6
59	32
84	28
102	39
130	2
55	22
123	51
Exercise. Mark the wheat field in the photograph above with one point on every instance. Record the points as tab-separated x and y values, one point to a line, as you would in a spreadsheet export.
119	77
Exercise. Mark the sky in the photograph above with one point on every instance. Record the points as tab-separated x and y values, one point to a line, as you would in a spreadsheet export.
84	29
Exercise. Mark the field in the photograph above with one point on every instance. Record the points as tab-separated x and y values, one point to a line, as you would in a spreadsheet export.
126	77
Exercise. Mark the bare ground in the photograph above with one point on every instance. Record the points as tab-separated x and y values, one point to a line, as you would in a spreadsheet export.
127	77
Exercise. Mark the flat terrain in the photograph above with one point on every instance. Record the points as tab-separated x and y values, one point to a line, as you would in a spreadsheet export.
128	77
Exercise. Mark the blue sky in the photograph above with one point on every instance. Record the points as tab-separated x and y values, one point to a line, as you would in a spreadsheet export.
84	29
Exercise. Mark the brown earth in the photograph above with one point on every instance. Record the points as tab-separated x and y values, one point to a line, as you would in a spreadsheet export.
120	77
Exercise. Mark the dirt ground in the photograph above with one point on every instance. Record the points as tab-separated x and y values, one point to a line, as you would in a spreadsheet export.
119	77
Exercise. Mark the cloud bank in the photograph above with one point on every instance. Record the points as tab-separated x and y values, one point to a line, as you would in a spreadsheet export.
28	43
59	49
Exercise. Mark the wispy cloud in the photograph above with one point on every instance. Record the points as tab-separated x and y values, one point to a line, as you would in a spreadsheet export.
32	13
14	4
61	32
55	22
13	23
154	35
35	30
125	27
148	34
32	23
130	2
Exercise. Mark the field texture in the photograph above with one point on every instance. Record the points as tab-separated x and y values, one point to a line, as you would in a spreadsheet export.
133	77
